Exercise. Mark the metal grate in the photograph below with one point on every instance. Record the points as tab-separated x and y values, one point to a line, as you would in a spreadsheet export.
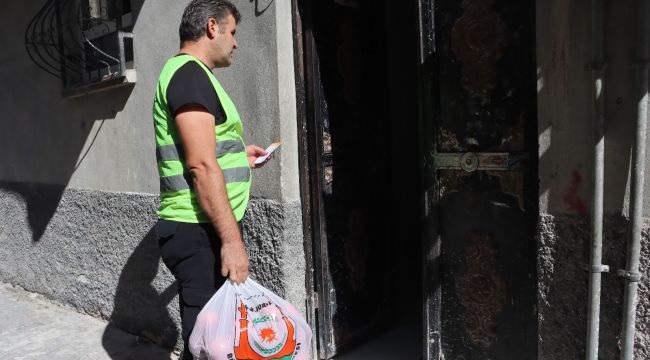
82	42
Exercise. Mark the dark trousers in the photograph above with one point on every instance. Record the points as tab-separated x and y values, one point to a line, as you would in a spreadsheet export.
191	253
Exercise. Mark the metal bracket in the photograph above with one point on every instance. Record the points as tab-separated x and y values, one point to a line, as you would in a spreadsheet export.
471	162
598	268
629	275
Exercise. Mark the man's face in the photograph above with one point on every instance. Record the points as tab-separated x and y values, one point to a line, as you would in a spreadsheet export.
225	42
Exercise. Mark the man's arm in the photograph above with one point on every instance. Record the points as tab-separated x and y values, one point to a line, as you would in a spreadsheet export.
196	128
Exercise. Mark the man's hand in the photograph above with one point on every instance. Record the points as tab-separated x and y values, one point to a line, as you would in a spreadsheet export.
234	261
253	152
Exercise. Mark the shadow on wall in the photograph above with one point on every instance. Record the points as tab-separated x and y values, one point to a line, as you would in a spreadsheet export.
46	196
567	128
139	308
44	139
43	158
563	291
260	10
42	135
565	106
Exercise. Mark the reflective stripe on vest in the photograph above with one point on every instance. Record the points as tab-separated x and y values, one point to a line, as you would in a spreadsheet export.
175	151
184	181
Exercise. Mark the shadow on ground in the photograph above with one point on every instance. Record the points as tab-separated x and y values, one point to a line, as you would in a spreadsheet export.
140	308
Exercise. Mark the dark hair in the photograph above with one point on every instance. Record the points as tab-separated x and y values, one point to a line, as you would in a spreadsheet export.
198	12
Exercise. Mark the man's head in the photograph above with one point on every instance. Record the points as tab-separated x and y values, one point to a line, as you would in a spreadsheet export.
212	23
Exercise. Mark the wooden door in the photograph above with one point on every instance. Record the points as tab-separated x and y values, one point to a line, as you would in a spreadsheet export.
479	149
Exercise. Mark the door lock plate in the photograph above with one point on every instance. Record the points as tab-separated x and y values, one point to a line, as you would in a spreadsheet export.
469	162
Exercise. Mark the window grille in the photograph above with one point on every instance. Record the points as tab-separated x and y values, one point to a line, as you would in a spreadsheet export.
86	43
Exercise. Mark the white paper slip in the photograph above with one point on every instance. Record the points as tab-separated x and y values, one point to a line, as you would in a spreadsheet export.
269	151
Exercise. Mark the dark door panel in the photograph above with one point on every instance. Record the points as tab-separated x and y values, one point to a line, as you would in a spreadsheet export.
487	307
347	130
479	146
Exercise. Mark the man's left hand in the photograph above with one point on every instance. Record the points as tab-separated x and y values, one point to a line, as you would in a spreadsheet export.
253	152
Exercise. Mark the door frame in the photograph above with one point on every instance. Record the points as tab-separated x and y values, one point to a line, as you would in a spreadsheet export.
303	76
310	132
431	242
305	61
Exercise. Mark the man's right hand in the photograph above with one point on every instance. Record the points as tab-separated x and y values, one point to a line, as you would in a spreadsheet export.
234	261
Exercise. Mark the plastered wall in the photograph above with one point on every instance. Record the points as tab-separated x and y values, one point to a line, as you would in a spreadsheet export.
78	184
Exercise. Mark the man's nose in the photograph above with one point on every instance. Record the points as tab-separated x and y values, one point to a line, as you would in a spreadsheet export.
235	45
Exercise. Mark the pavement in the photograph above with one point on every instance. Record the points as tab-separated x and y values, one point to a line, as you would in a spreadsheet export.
402	341
32	327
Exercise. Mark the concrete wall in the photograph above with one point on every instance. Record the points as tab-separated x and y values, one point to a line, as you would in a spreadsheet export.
78	188
566	139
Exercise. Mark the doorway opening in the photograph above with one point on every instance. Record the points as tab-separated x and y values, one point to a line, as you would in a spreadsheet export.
361	142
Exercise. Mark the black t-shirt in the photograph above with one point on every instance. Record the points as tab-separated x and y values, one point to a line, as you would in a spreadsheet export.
191	85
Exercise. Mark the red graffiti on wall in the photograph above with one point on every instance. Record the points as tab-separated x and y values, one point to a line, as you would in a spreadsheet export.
572	199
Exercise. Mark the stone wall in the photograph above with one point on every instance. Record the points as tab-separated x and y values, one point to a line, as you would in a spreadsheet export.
563	292
96	252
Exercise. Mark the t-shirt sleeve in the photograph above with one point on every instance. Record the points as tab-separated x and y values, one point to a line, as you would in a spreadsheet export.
191	85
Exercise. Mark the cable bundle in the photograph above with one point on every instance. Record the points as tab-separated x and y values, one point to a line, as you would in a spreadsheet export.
56	42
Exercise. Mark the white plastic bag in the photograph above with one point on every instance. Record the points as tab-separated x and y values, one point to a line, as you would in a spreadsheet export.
249	322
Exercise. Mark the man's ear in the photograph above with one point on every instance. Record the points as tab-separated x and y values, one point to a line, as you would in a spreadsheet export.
212	28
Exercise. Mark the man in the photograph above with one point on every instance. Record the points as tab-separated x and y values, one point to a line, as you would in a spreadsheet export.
203	163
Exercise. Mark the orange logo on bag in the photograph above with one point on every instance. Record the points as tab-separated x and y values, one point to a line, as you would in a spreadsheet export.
283	348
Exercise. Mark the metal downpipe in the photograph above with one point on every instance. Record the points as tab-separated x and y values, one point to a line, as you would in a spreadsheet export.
631	273
596	268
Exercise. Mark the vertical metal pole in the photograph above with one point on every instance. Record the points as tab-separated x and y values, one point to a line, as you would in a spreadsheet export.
596	268
631	273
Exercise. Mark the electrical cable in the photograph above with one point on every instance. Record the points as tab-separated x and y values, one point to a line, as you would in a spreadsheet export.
56	41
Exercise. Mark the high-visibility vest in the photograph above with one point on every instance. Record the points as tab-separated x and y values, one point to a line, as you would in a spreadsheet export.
178	201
